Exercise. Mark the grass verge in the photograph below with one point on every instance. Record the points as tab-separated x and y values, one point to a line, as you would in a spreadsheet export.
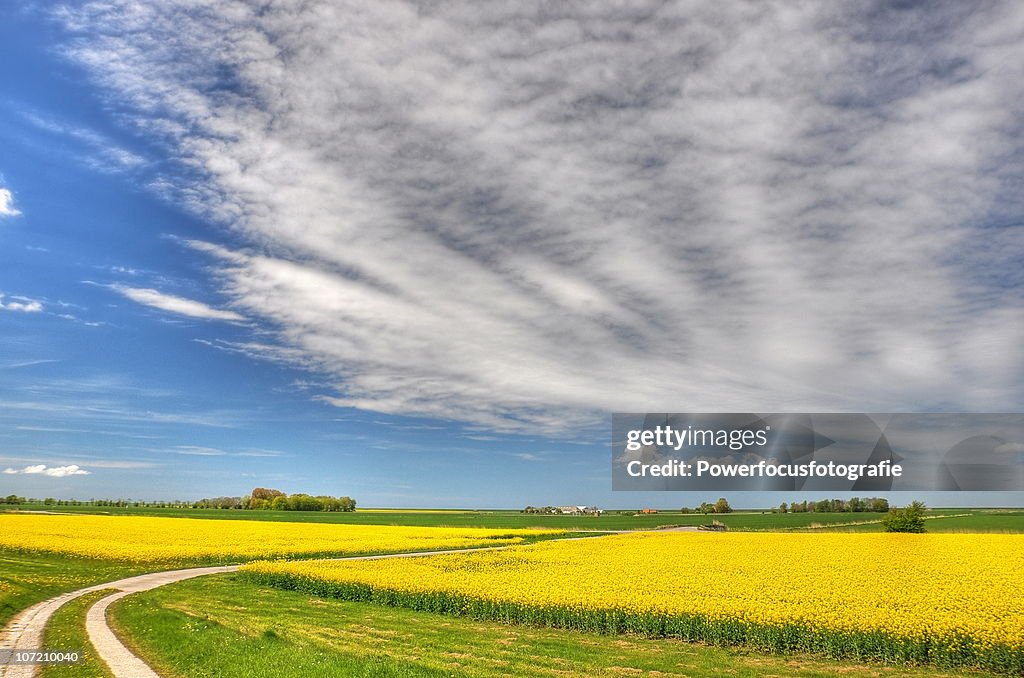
226	626
66	631
28	578
787	639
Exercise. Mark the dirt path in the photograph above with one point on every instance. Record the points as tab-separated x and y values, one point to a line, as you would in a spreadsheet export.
25	631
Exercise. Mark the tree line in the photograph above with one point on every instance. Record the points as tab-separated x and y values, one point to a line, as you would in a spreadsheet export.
720	506
268	499
852	505
261	498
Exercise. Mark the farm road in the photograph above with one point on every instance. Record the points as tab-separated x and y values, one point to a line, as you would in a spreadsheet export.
25	631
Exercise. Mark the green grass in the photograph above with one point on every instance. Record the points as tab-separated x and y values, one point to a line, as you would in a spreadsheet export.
612	520
874	646
226	627
26	579
1002	521
66	631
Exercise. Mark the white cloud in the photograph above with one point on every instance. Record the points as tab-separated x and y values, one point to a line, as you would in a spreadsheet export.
20	304
198	451
526	216
52	471
173	304
203	451
100	152
7	208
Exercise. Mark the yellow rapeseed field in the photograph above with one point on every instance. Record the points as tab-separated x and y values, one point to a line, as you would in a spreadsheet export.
946	597
141	539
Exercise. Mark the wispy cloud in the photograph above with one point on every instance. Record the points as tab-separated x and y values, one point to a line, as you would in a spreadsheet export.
19	364
530	456
198	451
523	217
173	304
20	304
202	451
52	471
7	208
97	151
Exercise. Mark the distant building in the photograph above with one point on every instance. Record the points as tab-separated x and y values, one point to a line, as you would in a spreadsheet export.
579	510
648	511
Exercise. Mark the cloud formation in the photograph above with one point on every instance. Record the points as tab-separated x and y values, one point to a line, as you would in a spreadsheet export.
98	152
173	304
20	304
7	208
525	216
52	471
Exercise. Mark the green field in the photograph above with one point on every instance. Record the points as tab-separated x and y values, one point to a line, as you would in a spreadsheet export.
997	521
226	626
977	520
223	626
26	579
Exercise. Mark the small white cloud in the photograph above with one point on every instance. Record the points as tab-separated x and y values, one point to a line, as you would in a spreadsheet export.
52	471
173	304
7	208
22	304
199	451
1010	448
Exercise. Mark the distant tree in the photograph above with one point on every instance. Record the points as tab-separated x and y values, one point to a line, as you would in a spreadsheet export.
783	508
705	508
878	505
722	506
302	502
686	509
265	493
907	519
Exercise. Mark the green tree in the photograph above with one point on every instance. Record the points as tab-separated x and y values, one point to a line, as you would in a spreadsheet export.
722	506
783	508
907	519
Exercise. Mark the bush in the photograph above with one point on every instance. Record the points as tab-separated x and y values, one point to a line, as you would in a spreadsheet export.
908	519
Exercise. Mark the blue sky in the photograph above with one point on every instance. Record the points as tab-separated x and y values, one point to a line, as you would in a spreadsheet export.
418	255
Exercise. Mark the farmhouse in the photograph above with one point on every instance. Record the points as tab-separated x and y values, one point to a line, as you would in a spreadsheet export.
580	510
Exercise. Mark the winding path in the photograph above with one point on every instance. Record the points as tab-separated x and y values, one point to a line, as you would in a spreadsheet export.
25	631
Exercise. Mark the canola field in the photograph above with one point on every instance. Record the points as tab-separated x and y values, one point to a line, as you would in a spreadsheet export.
146	540
951	600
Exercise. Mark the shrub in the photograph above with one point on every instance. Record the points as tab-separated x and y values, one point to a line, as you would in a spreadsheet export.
908	519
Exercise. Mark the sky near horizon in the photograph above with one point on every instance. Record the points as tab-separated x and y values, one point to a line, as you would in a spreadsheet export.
417	253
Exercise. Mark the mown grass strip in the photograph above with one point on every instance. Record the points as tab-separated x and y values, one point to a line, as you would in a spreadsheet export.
66	631
959	652
228	627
